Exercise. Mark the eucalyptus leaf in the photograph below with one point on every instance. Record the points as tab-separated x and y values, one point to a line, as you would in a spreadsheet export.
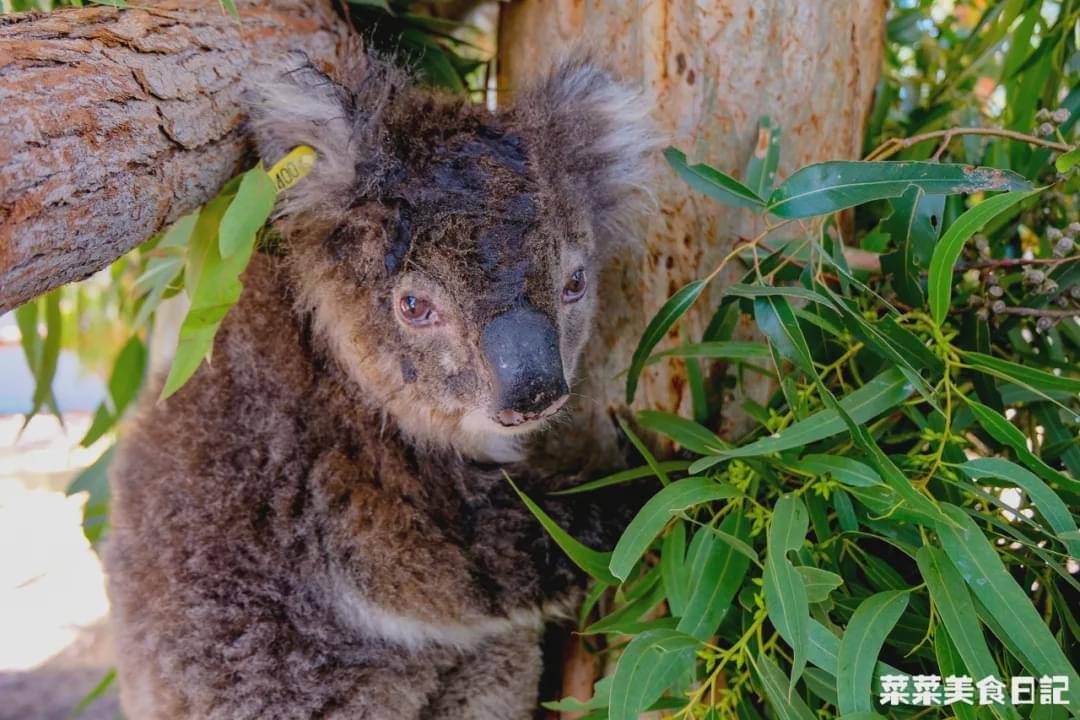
827	187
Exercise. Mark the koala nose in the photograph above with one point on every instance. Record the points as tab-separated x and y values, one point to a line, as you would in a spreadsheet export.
522	349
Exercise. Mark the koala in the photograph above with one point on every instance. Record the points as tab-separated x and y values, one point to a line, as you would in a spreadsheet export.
319	524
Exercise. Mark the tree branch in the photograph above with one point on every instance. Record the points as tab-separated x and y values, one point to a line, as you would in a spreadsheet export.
116	122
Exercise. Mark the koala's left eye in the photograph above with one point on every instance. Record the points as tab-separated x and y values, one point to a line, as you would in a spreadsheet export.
575	286
417	311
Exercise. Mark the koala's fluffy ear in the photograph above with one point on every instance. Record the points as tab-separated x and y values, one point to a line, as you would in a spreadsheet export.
297	104
593	136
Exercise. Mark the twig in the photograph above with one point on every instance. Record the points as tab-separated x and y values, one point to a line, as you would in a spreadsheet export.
1013	262
894	145
1041	312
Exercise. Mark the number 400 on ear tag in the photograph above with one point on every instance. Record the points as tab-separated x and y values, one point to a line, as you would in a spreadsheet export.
289	170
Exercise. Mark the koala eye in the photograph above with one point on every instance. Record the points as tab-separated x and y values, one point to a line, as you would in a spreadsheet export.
575	286
417	311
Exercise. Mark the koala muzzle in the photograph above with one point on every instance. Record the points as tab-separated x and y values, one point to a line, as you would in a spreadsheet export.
522	349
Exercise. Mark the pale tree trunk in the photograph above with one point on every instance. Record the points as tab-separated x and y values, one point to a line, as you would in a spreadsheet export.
117	122
710	69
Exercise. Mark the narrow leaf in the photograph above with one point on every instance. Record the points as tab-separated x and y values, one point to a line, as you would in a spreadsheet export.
593	562
949	248
831	186
656	513
647	667
863	639
672	310
712	182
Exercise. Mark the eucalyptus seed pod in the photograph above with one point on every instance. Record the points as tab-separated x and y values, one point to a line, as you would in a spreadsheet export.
1048	287
976	300
1073	229
1063	247
1033	277
1074	292
1046	129
982	314
1043	115
995	291
998	307
1044	324
1061	115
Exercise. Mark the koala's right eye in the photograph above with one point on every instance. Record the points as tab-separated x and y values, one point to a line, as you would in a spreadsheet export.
417	311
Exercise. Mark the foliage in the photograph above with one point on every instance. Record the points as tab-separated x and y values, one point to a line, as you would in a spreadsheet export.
907	503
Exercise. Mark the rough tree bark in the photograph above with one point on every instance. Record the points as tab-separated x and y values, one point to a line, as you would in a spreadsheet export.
711	68
117	122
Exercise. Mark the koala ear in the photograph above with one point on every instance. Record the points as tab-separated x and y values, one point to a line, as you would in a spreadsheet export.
297	104
593	132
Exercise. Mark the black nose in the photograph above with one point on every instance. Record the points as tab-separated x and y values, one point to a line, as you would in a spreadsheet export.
522	349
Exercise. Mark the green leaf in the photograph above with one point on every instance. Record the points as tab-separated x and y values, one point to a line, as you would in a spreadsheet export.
776	686
672	310
761	168
831	186
981	567
647	667
98	690
1068	161
950	663
248	211
656	513
94	480
716	350
712	182
879	395
790	522
913	227
624	476
650	460
689	434
125	379
42	355
715	577
844	469
776	319
818	583
863	639
230	7
593	562
785	596
957	611
1022	374
213	284
1046	501
630	614
673	570
948	249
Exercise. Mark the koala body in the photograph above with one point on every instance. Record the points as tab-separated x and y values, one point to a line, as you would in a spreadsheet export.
318	524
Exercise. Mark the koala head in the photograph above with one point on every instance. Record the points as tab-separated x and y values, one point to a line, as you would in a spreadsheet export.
449	255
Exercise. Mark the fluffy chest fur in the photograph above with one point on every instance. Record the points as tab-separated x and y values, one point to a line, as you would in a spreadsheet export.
278	471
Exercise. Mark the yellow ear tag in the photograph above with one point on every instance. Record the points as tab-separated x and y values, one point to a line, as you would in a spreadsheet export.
289	170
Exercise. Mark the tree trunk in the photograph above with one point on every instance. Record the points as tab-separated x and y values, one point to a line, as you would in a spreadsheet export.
116	122
709	69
